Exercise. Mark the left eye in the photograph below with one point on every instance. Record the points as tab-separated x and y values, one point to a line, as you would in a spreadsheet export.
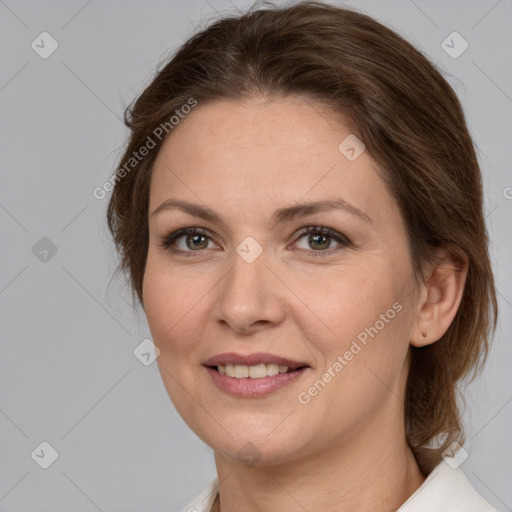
320	239
197	240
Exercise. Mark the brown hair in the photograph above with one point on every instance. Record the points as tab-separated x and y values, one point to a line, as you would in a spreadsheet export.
412	125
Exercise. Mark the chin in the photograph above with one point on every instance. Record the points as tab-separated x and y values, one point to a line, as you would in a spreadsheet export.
255	448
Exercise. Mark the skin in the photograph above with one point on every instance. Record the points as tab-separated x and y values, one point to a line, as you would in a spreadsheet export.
346	449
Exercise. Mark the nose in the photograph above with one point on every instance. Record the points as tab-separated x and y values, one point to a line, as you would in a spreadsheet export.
249	297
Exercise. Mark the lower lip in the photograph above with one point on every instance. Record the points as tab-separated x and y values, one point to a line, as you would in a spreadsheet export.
252	388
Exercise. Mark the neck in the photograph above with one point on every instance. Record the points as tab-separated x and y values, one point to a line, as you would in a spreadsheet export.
373	471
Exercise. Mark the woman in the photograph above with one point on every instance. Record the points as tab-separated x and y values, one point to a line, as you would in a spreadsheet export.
299	212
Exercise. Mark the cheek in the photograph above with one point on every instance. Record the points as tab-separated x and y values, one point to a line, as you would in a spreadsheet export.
365	319
157	302
170	300
344	301
172	319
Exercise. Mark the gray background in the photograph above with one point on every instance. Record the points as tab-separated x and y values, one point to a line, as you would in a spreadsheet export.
68	374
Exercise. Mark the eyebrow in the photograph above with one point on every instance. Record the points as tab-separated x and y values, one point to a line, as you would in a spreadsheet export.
281	215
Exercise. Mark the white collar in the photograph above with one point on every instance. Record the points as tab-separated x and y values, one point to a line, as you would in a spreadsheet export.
444	490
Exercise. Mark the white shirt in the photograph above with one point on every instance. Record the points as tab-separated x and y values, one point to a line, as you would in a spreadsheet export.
444	490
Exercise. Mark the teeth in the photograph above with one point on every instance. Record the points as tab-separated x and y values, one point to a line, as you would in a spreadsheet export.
241	371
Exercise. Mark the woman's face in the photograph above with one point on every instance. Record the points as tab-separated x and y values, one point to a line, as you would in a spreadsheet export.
251	282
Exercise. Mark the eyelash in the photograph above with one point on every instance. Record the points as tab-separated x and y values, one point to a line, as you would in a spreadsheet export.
168	241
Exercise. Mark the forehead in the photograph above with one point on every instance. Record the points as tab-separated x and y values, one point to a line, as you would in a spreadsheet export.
292	126
246	155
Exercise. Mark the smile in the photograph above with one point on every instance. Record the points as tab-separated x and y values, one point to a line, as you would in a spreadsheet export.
258	386
259	371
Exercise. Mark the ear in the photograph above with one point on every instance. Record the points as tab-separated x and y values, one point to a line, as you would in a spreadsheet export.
440	296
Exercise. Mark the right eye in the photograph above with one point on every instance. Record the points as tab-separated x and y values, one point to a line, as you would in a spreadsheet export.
195	239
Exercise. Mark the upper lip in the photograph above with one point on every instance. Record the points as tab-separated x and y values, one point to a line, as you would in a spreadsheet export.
252	360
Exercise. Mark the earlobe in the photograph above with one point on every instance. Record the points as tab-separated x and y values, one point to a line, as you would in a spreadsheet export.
441	296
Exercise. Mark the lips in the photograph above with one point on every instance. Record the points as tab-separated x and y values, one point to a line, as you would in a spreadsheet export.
253	360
